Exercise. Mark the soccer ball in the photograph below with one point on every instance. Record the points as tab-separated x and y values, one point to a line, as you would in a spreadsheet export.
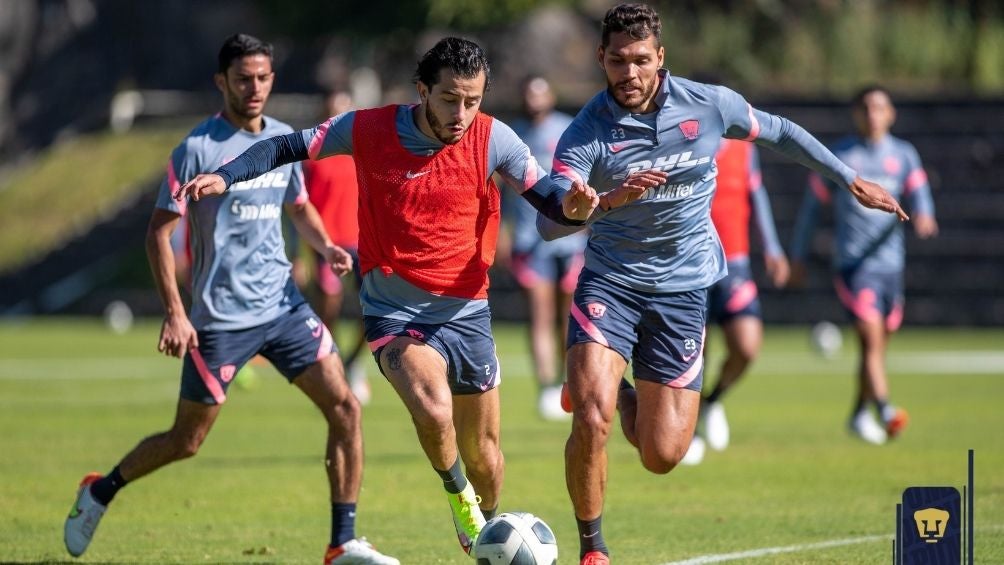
516	538
827	339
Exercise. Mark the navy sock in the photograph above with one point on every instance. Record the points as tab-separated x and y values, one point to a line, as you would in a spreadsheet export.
489	514
104	489
624	384
591	536
454	481
343	522
714	396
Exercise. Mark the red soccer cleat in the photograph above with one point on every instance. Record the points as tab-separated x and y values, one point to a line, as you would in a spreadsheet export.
897	423
595	558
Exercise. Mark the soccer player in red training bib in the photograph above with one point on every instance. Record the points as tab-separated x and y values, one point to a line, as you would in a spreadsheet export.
732	301
428	221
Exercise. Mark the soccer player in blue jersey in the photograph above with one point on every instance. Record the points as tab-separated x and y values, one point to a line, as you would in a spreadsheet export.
546	270
244	303
869	250
428	223
649	261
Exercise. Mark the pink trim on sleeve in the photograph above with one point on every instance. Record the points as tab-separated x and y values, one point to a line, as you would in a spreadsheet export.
530	176
754	125
207	377
916	179
317	142
565	170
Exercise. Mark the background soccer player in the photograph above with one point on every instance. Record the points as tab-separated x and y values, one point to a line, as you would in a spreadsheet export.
333	190
643	291
869	251
244	303
546	270
732	301
429	220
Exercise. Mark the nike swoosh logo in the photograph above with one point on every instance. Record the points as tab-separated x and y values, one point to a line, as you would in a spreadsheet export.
687	358
590	535
412	175
317	332
617	147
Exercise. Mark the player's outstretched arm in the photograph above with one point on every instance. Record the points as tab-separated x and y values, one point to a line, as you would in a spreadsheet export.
871	195
309	225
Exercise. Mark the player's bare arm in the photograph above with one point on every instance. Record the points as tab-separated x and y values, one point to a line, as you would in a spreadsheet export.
309	225
177	335
871	195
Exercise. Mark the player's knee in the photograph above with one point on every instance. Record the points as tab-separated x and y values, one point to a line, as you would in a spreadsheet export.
433	418
344	413
185	446
661	458
591	421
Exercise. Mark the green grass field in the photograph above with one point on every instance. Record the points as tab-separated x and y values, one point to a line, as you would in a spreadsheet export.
74	397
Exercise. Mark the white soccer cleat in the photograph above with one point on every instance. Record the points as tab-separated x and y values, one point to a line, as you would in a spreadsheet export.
695	453
549	404
864	426
715	425
83	519
359	383
357	552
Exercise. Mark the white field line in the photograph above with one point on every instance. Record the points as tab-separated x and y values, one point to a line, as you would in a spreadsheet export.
765	551
753	553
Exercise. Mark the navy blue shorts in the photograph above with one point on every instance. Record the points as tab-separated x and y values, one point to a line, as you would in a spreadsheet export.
561	269
472	366
662	334
735	295
292	342
870	296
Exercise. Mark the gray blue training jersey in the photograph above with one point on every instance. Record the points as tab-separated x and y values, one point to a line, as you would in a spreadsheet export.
240	273
665	241
542	139
867	239
393	297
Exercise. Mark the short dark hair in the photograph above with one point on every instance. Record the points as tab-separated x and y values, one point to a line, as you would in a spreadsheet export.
465	58
241	45
637	20
859	97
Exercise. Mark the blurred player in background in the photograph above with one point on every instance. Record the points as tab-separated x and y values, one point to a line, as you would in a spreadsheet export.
244	303
642	295
732	301
869	251
333	190
429	220
547	270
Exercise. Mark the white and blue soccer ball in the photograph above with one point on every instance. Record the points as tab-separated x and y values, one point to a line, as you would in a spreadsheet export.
516	538
826	339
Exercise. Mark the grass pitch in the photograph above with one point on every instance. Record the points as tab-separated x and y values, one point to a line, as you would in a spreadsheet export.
74	397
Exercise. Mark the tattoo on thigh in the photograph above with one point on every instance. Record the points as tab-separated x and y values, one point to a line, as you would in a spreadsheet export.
394	359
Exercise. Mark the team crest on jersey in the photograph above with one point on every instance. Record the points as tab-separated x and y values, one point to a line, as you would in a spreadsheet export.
690	129
596	310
